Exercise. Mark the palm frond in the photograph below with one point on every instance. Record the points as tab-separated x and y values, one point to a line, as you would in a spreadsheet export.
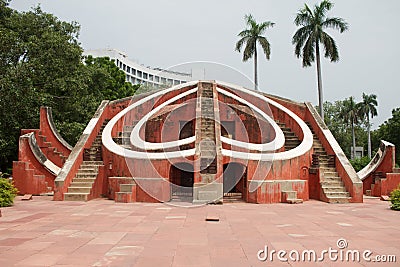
263	26
303	18
335	23
244	33
240	43
330	47
300	37
249	49
309	51
265	46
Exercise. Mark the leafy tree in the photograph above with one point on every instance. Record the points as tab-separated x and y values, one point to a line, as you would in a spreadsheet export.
367	109
311	34
107	81
389	131
41	64
249	37
351	113
341	128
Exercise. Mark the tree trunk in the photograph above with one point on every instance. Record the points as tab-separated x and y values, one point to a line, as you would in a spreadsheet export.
320	95
353	155
369	138
255	69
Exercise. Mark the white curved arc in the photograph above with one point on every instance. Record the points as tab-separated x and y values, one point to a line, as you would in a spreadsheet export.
109	143
277	143
305	145
138	142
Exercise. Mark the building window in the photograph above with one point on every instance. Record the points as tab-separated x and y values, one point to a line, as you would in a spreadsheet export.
176	82
133	71
157	79
163	80
144	75
139	73
124	67
170	81
128	69
151	77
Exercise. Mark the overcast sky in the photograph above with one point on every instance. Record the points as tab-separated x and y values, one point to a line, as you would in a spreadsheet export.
166	33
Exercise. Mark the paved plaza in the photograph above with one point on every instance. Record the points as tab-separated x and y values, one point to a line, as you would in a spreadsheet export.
42	232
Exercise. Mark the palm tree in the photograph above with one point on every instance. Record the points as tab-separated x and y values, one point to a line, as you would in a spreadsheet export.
350	113
367	108
308	37
252	35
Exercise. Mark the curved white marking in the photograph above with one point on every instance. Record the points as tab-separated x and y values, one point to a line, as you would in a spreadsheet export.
277	143
109	143
137	141
305	145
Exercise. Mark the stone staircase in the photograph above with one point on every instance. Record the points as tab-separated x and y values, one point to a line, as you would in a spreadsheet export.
82	184
291	140
50	151
233	198
208	161
331	184
123	137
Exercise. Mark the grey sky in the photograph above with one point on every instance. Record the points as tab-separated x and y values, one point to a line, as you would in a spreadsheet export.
162	33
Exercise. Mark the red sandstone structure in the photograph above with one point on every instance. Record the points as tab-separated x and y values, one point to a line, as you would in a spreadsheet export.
198	142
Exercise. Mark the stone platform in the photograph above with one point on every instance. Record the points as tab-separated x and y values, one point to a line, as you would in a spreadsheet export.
101	232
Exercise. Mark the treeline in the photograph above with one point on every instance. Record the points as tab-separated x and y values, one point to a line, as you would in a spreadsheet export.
41	64
349	122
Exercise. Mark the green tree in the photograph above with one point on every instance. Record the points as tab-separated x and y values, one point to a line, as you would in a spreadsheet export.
311	34
107	81
351	113
41	64
249	37
389	131
367	109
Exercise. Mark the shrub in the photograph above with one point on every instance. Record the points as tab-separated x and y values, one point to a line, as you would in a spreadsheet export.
7	192
359	163
395	199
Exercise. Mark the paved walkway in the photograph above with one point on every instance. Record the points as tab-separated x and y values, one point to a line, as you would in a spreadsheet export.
42	232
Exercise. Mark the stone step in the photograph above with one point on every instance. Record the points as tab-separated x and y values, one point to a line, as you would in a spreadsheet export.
127	188
332	179
328	169
92	162
330	188
75	189
88	167
128	128
83	180
87	171
76	196
331	174
332	184
82	184
337	194
339	200
86	175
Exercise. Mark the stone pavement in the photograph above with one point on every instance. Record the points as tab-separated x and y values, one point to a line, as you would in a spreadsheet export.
42	232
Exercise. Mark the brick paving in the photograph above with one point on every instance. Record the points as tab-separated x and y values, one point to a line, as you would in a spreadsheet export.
42	232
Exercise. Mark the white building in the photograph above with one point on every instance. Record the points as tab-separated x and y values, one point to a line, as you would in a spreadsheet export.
139	74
